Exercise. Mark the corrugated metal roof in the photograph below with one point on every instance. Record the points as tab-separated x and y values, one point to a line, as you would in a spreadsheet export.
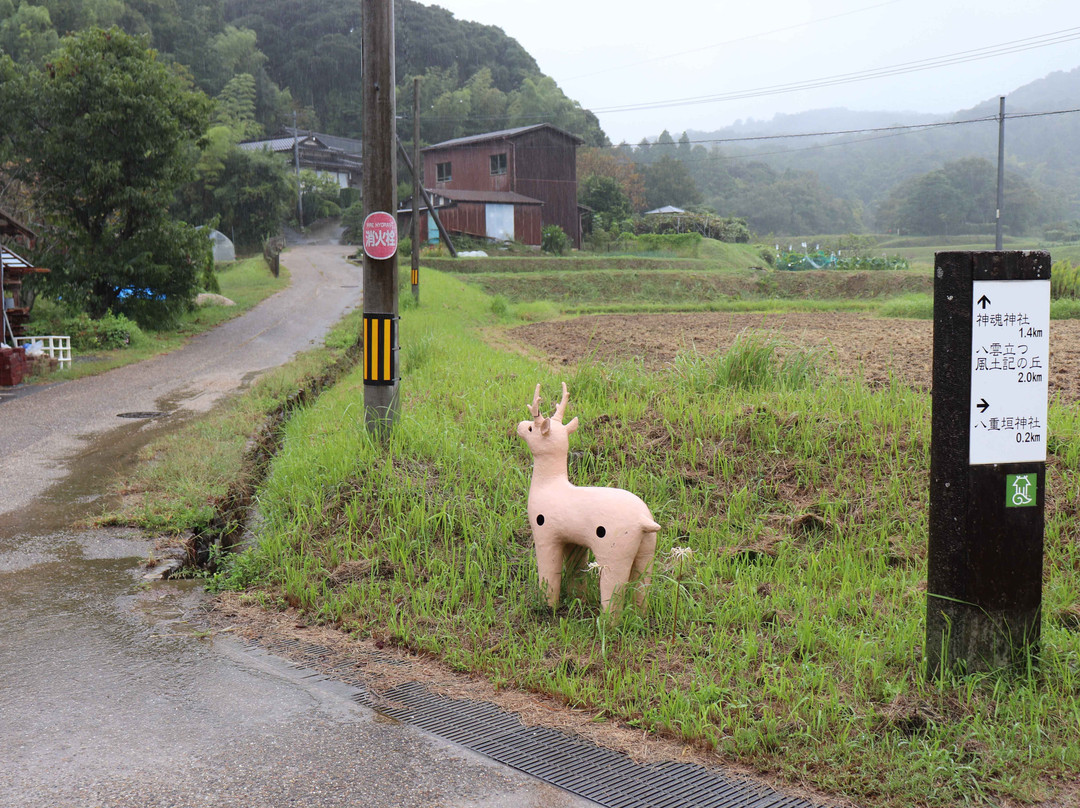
497	197
441	198
278	144
13	261
502	134
350	146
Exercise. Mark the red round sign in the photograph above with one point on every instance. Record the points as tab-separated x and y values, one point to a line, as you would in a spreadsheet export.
380	235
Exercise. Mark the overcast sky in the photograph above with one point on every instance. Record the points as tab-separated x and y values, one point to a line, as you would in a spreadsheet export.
607	55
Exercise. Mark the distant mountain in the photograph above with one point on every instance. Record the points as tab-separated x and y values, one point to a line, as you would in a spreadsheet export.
862	168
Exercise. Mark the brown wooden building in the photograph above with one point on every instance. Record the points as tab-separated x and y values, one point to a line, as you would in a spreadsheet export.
492	180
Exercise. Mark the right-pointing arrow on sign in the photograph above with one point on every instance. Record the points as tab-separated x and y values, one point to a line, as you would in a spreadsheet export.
983	405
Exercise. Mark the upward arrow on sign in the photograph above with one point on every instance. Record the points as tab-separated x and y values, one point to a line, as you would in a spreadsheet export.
983	301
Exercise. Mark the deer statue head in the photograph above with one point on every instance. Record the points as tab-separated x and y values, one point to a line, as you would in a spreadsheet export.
547	437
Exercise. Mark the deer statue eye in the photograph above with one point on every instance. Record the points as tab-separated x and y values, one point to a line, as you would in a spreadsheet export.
530	429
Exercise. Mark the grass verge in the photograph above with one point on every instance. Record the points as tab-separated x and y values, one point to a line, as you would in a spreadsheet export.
791	642
184	479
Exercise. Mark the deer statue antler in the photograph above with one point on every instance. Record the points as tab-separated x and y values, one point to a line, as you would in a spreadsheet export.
534	408
560	409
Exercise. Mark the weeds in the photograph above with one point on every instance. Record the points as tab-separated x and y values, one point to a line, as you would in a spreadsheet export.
795	646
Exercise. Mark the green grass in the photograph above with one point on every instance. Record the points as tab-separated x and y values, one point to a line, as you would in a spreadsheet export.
246	283
182	476
605	290
796	645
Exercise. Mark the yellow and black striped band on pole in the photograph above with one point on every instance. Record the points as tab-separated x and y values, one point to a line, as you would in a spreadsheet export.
415	277
380	348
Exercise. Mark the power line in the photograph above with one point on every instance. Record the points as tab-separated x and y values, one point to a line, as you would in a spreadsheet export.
898	128
746	38
960	57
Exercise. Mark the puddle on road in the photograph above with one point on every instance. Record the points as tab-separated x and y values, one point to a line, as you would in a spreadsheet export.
80	494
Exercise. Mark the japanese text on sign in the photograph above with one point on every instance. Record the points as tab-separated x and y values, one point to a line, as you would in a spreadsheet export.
380	235
1010	347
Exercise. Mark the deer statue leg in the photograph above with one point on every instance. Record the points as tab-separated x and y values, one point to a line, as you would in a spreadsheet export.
613	578
641	572
549	563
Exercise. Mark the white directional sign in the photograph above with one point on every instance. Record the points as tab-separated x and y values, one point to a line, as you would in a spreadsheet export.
1010	352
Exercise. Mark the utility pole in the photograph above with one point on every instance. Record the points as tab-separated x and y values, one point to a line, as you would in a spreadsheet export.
998	239
416	185
381	404
296	162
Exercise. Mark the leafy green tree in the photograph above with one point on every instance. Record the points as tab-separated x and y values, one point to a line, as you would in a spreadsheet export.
27	33
320	196
245	194
961	196
606	198
236	107
539	100
668	182
107	134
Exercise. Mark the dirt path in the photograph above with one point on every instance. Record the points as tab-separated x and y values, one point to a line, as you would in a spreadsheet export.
42	432
876	346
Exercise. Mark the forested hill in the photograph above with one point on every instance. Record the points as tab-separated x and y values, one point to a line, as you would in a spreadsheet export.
475	77
864	168
268	58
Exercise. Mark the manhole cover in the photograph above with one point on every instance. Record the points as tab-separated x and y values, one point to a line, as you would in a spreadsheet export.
147	414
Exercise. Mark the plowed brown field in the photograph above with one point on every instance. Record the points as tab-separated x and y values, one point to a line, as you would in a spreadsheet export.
877	347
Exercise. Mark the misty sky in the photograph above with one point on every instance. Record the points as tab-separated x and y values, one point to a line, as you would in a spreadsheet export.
608	55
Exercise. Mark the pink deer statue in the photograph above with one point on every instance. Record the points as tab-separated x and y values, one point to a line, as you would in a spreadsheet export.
616	525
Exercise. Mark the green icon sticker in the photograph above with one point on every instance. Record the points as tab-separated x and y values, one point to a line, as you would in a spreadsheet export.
1020	490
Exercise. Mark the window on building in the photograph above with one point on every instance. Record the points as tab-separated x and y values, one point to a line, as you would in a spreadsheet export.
498	163
442	172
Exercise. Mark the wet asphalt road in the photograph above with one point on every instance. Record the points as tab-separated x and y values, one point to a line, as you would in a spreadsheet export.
110	695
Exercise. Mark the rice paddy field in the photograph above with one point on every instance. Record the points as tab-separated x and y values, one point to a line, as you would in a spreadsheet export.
786	444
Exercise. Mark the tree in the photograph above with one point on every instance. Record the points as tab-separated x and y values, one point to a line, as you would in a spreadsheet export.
107	134
961	196
667	182
605	197
27	34
247	193
617	165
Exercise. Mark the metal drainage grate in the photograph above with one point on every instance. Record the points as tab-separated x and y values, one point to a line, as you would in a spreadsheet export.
608	778
142	415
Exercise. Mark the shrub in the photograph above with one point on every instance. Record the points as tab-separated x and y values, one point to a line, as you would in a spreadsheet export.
109	333
1064	281
553	239
731	229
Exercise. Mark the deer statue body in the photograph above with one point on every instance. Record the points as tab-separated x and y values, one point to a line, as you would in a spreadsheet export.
614	524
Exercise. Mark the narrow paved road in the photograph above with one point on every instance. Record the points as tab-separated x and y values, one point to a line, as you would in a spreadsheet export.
109	693
40	432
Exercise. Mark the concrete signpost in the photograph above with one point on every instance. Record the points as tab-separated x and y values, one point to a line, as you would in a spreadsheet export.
988	459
